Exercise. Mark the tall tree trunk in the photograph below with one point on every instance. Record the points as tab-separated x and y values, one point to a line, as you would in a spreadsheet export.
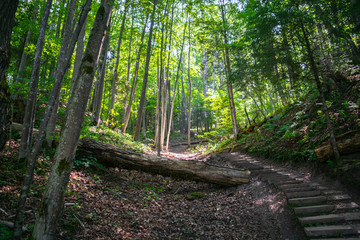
161	83
156	137
205	79
134	82
183	128
228	71
29	117
51	206
116	74
24	55
146	74
175	85
7	16
79	54
101	80
189	80
128	67
314	69
63	62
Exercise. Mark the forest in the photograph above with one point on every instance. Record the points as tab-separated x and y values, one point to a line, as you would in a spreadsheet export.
101	97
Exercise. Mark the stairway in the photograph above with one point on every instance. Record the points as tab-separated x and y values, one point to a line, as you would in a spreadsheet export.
325	212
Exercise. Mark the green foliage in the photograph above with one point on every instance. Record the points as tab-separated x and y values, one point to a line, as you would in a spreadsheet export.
103	133
5	232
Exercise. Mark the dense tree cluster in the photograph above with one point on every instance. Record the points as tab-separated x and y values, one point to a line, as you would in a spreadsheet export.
154	67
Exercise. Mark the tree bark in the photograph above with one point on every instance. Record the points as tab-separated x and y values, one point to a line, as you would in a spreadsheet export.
64	58
228	71
146	74
314	69
127	83
189	80
29	117
51	206
109	155
115	77
205	79
7	16
24	54
175	85
134	83
100	81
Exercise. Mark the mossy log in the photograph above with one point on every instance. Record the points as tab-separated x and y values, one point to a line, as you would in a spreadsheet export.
110	155
348	143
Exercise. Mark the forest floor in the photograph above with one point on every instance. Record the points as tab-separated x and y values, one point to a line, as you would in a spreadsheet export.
112	203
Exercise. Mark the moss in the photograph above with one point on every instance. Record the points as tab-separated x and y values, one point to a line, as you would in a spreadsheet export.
43	208
63	166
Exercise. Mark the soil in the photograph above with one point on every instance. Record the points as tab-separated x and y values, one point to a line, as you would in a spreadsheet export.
114	203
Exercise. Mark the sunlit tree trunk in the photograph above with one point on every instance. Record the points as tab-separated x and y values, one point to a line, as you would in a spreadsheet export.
134	82
128	67
189	80
205	79
29	117
115	77
228	71
51	206
24	54
63	62
146	74
101	80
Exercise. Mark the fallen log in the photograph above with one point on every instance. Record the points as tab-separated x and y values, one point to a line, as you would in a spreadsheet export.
110	155
347	143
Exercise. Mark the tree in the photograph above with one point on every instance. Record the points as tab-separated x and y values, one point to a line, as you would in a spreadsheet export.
29	117
50	208
66	51
7	16
145	79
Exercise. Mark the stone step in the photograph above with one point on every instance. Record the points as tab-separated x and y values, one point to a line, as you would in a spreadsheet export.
338	197
332	192
296	184
341	207
330	231
299	189
303	194
311	210
307	200
352	216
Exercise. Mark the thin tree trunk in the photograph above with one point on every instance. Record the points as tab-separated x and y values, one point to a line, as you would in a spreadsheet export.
183	103
189	80
64	58
128	67
161	84
322	98
51	206
115	77
146	74
175	85
101	80
24	54
156	137
79	54
29	117
228	70
134	82
205	79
